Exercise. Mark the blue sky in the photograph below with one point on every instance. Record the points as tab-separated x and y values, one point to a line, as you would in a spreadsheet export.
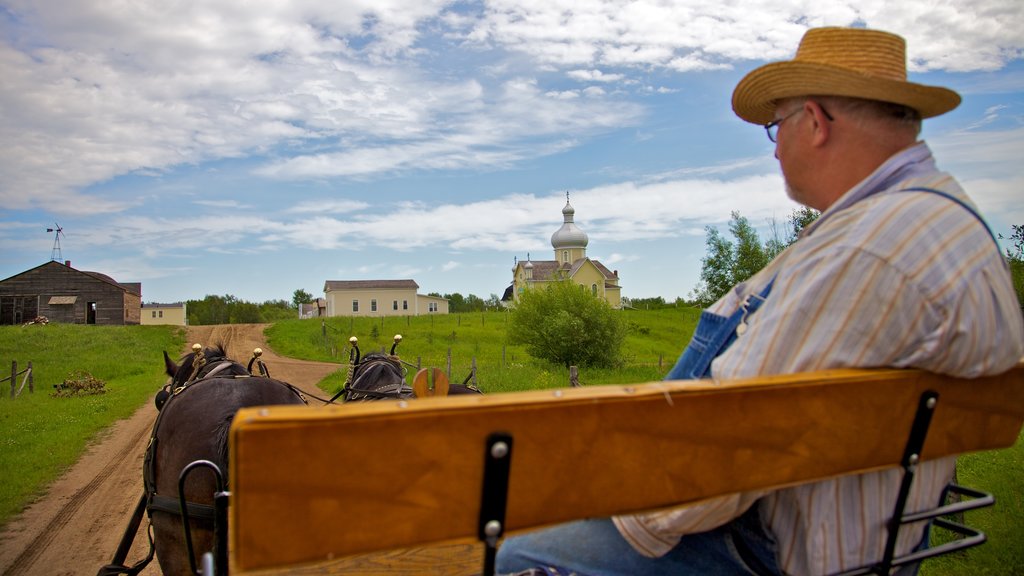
253	148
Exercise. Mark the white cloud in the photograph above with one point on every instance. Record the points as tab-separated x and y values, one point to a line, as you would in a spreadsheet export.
340	90
328	206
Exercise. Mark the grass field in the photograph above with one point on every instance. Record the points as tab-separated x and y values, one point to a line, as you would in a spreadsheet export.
652	346
41	435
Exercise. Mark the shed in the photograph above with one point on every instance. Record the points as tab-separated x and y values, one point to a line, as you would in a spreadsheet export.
64	294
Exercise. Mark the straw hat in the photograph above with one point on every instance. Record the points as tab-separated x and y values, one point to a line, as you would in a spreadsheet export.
852	62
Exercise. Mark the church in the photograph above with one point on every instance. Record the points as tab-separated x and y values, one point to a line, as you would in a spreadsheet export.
570	250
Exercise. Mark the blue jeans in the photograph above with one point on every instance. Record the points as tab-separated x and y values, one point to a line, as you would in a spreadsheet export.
595	548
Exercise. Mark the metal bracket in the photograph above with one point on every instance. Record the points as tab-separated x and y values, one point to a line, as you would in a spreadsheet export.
911	457
220	519
494	496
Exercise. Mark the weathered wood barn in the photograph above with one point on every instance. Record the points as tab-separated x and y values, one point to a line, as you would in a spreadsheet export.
63	294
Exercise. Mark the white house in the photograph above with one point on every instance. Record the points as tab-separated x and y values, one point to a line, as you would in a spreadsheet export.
379	298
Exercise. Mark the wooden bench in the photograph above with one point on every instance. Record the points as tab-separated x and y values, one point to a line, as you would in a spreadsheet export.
313	485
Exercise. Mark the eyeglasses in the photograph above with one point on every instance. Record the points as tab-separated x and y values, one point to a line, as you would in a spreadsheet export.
772	128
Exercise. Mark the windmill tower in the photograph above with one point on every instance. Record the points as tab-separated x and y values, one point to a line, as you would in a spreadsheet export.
55	254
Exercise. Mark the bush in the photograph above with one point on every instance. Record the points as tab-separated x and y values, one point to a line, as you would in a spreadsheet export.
568	325
79	383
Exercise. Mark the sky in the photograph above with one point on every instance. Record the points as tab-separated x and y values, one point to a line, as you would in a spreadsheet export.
254	148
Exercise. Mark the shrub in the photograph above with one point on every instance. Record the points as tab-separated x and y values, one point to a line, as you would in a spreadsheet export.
567	325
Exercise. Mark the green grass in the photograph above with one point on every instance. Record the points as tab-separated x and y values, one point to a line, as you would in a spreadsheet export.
652	346
40	435
1000	473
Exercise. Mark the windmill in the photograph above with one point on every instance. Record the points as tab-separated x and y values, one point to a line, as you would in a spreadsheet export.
55	254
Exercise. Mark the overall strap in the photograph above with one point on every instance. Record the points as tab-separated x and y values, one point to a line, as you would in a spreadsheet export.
713	335
962	204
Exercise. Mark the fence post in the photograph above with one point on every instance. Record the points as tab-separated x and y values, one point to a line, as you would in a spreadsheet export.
14	376
574	377
31	387
419	362
449	362
474	371
503	363
660	358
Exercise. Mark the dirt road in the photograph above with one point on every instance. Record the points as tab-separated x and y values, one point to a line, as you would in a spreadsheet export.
76	526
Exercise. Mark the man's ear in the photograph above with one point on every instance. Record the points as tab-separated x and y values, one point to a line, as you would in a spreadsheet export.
821	124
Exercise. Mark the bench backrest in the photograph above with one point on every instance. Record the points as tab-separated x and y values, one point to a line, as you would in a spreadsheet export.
310	484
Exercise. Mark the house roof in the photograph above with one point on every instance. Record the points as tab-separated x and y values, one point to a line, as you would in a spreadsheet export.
332	285
547	269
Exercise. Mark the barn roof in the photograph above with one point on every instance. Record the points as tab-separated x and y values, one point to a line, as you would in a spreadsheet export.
131	287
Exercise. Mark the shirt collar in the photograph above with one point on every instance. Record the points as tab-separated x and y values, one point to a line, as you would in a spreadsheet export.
912	162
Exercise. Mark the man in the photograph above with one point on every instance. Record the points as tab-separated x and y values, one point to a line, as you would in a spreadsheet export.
898	271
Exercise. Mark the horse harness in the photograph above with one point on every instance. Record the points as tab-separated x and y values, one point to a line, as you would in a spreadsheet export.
151	501
158	502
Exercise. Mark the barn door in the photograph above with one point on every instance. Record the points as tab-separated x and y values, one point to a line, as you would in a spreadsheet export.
90	312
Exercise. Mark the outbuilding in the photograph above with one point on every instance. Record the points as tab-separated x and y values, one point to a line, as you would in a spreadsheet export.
62	294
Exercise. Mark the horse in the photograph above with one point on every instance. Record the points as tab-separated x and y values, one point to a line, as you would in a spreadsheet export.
380	376
196	411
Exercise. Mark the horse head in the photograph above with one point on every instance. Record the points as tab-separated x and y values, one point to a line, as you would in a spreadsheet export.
202	362
375	376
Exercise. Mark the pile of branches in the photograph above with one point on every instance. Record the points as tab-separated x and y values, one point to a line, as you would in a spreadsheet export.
79	383
37	320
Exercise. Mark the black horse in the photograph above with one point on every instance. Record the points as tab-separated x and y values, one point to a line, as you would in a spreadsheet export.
196	413
379	376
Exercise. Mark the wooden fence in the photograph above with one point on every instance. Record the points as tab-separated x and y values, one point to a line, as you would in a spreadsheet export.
15	389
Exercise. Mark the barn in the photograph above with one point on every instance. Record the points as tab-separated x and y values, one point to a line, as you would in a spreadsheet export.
63	294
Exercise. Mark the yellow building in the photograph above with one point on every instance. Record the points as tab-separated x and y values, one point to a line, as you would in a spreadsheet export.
570	249
379	298
153	313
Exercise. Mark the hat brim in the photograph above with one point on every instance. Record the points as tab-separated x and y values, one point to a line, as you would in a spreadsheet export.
754	97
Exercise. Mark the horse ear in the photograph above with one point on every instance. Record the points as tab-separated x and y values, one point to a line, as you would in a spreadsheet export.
169	365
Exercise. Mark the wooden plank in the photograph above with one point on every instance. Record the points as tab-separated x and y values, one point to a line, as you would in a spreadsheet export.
316	484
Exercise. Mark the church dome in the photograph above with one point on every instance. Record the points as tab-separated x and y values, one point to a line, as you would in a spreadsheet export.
569	235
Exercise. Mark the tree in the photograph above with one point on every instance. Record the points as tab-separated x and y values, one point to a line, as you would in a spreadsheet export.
647	303
749	254
564	323
493	301
300	296
1015	259
727	264
715	268
799	219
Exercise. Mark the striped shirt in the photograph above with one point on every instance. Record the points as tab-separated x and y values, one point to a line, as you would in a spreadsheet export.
884	278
